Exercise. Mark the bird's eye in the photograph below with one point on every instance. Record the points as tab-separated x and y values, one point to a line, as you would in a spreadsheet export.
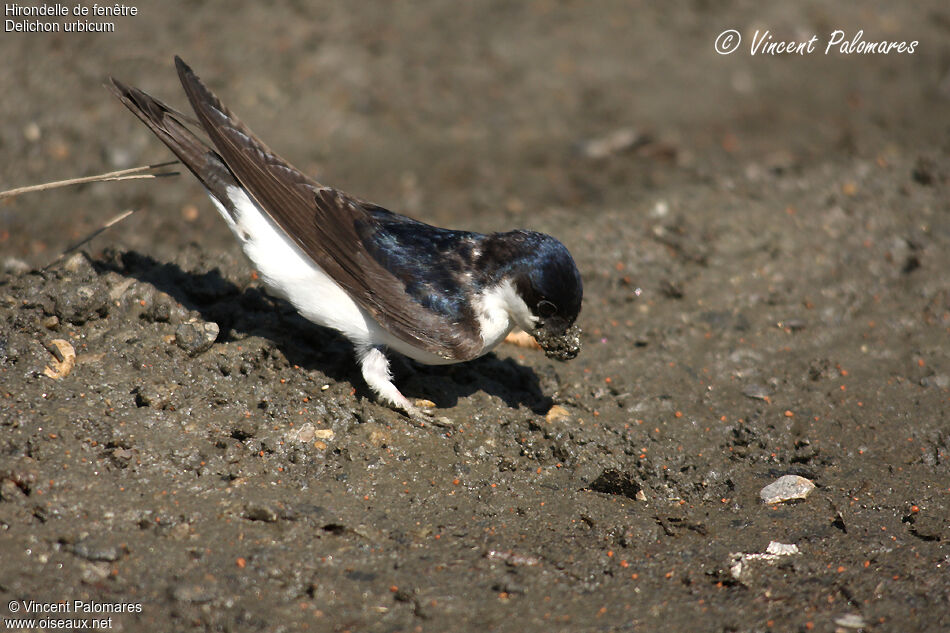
546	309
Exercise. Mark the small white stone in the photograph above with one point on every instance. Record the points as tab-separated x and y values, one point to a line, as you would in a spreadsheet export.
781	549
31	132
660	209
306	433
15	266
851	621
741	566
786	488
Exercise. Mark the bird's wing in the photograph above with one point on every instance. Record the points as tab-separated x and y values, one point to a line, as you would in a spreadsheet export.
336	231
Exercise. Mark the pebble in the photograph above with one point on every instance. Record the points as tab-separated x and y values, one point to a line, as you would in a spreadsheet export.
443	422
792	325
194	592
615	142
309	433
306	433
22	473
15	266
786	488
851	621
94	550
79	264
9	491
940	381
756	392
512	559
80	303
378	436
741	563
32	132
781	549
616	482
154	394
123	453
556	413
93	573
196	337
260	512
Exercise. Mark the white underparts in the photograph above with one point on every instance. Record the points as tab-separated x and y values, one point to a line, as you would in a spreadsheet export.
499	310
290	274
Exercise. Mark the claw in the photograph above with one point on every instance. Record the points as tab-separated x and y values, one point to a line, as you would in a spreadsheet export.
418	417
421	409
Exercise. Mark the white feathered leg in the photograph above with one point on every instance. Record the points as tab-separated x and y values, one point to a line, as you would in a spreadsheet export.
375	367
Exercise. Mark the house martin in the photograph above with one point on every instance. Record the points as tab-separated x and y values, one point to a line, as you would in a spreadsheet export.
383	280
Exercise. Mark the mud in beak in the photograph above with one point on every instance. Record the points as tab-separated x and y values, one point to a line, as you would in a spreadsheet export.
564	346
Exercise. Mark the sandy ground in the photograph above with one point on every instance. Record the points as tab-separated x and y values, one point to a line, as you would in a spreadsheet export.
764	242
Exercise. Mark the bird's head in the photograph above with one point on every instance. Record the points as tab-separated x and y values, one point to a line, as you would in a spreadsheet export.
545	278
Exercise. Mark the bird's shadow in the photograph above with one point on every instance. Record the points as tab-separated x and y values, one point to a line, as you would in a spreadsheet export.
249	311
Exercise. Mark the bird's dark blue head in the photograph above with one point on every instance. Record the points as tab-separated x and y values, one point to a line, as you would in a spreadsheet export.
546	278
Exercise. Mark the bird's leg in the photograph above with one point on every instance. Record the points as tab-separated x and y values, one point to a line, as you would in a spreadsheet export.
375	368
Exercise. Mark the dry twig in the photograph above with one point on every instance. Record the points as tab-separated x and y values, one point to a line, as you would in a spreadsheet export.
122	174
89	237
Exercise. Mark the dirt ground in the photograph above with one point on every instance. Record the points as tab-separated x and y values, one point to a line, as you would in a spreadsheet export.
764	242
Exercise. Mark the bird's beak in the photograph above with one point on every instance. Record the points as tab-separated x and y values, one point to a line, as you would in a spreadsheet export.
563	346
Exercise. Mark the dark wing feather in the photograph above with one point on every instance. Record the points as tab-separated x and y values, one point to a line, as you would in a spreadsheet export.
166	124
330	227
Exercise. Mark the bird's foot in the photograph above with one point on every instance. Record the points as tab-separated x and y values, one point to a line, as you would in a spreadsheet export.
420	412
375	369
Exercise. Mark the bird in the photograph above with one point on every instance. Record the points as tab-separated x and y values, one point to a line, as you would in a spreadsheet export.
385	281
